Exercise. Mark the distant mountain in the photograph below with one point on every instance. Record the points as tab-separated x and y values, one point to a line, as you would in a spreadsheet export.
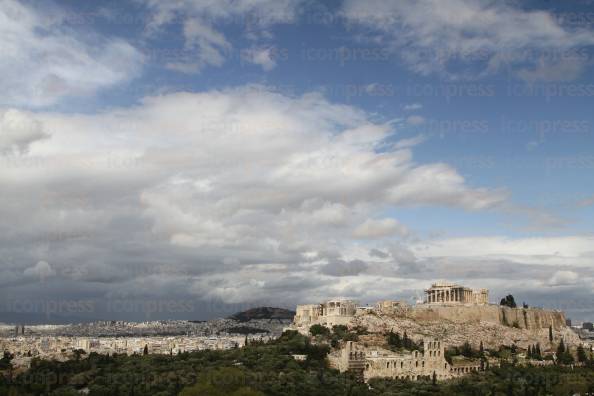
263	313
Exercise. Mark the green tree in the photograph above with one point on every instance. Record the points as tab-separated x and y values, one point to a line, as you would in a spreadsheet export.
318	329
550	333
561	347
508	301
394	340
581	354
466	350
145	350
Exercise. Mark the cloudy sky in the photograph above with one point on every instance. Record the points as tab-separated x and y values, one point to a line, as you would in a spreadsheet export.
191	158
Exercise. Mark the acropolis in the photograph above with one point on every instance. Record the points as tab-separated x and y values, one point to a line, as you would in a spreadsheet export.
449	314
451	293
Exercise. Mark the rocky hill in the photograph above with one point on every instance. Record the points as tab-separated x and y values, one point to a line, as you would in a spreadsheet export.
263	313
455	331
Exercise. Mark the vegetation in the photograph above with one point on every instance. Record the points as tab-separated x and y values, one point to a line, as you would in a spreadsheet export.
395	342
534	352
5	361
564	356
269	369
464	350
508	301
319	330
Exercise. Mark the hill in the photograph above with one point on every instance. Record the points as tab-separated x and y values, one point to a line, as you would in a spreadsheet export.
263	313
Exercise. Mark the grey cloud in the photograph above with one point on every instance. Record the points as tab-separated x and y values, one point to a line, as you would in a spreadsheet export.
257	212
344	268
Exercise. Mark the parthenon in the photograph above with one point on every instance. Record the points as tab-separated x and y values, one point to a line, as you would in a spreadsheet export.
451	293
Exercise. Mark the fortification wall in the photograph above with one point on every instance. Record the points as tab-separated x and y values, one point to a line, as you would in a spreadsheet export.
525	318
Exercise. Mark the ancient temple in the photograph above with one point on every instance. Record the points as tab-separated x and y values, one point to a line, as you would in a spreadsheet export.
451	293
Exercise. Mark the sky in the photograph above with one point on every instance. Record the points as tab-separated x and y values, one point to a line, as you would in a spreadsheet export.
190	159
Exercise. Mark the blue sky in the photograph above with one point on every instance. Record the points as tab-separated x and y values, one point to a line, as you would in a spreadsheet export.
258	151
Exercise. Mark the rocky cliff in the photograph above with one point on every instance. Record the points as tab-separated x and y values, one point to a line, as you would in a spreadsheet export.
523	318
492	324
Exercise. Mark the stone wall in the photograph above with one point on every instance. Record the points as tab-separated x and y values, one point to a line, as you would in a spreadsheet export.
528	318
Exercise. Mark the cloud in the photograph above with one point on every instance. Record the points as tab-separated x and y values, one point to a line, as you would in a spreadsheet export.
41	270
344	268
263	57
549	251
380	228
415	120
219	195
18	131
473	38
44	62
563	278
446	189
410	142
568	68
205	42
413	107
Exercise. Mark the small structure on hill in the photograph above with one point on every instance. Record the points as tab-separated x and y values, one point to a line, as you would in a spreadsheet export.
368	362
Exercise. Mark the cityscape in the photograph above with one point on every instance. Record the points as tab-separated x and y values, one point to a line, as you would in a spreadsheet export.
296	198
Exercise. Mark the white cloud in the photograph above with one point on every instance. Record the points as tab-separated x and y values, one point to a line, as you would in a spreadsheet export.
413	107
263	57
568	68
380	228
43	61
207	44
216	186
473	38
552	251
18	131
409	142
415	120
563	278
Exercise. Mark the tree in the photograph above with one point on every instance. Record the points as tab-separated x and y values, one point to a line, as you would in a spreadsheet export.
481	350
466	350
318	329
524	305
550	333
406	341
581	354
508	301
145	351
394	340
